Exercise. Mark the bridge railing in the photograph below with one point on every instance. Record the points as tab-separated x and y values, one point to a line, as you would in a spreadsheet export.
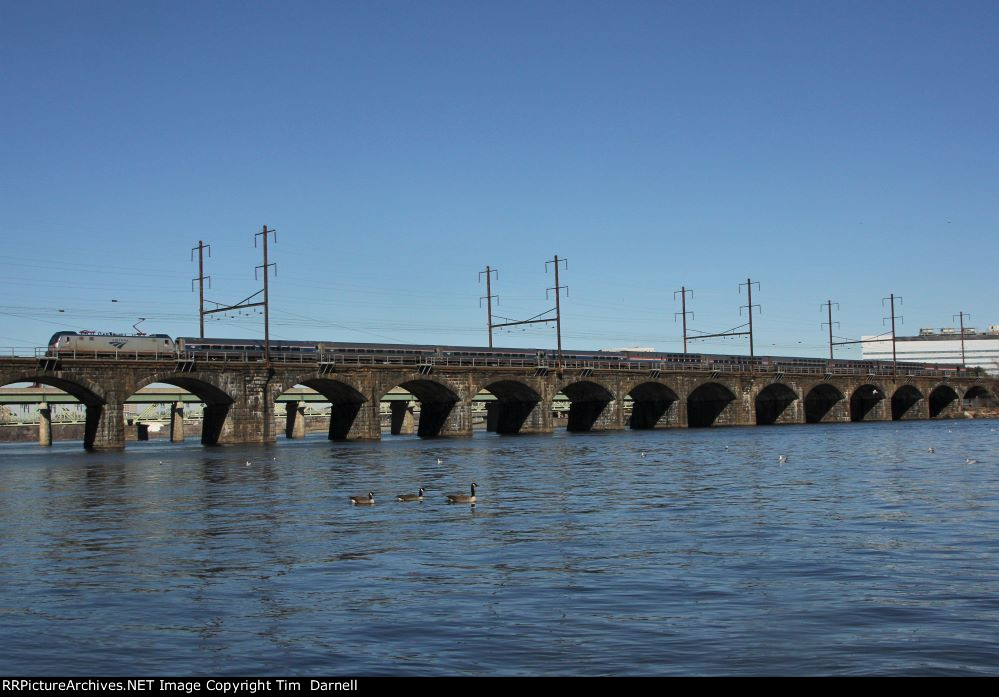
102	355
20	352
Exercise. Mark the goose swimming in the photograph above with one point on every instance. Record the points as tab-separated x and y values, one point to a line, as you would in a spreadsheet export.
462	498
410	497
363	500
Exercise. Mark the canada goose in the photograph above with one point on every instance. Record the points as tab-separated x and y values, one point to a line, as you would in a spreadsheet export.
369	499
410	497
462	498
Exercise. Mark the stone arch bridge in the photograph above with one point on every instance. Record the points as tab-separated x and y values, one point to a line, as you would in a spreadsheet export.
239	397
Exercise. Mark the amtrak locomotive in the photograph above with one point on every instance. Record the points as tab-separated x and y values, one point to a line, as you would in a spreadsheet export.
87	342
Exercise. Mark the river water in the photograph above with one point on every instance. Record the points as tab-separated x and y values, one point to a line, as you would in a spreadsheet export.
863	554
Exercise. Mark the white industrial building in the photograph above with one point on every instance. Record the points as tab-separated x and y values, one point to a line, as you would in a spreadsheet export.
981	349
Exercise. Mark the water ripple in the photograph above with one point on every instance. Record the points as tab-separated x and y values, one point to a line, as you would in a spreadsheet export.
863	554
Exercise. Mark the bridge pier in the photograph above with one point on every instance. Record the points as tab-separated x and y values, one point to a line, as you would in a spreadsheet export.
539	419
610	418
869	404
177	422
908	403
356	420
951	411
827	412
649	414
918	411
215	426
403	420
943	402
777	403
105	426
294	420
583	415
737	413
44	425
458	421
794	413
249	418
351	421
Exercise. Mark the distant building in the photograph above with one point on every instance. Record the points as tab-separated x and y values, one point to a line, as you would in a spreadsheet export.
981	349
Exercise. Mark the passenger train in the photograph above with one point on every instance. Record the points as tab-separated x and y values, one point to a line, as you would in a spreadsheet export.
152	346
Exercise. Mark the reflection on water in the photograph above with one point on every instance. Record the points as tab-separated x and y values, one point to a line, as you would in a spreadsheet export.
864	553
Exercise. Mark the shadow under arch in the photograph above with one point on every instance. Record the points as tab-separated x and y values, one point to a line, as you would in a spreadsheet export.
819	402
587	401
217	402
978	392
436	402
93	403
863	400
652	404
706	403
942	397
515	401
345	404
904	399
771	402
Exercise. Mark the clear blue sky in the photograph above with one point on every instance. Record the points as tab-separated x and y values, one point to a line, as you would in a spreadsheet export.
834	150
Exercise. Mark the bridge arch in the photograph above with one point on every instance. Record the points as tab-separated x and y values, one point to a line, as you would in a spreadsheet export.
820	401
588	404
706	403
345	400
653	405
864	401
82	389
437	400
978	392
772	401
515	409
942	397
904	401
200	385
216	399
